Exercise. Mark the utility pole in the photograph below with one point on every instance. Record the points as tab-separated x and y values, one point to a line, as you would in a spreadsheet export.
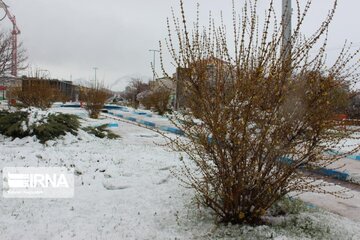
95	69
286	30
154	51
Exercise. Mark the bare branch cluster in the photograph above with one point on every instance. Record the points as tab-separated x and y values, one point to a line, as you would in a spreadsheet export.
135	87
6	53
35	92
94	98
256	116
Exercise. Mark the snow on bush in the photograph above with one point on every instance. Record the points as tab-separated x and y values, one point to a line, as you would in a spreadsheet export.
101	132
45	125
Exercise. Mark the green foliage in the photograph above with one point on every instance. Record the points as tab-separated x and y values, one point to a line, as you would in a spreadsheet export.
286	206
101	132
16	125
11	124
56	125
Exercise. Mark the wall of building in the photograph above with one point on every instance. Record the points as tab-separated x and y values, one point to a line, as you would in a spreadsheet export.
70	91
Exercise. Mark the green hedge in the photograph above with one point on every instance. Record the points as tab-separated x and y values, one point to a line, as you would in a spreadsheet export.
12	124
101	132
16	125
57	125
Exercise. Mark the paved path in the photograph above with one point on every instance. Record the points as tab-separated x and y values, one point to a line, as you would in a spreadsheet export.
348	207
346	165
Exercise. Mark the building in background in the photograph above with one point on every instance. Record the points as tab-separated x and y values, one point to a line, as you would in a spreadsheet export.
67	88
6	82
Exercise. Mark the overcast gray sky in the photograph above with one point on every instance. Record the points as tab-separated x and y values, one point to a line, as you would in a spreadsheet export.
70	37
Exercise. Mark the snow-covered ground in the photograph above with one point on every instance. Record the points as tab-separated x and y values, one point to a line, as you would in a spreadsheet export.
124	190
349	165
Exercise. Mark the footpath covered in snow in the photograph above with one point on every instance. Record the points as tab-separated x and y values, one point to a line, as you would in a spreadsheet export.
346	169
124	190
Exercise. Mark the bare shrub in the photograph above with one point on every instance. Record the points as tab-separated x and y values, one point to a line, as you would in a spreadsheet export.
135	87
158	99
145	99
36	92
353	109
94	98
257	115
13	91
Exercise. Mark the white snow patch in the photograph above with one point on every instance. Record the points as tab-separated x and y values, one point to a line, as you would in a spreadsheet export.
124	190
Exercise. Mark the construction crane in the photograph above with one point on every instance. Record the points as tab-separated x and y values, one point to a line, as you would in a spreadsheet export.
14	43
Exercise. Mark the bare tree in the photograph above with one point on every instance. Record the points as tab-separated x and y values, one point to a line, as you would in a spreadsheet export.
35	92
353	109
6	51
254	122
135	87
158	99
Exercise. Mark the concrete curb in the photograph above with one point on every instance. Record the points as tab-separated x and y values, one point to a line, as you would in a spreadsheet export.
339	175
173	130
113	125
332	173
109	125
147	123
334	152
124	109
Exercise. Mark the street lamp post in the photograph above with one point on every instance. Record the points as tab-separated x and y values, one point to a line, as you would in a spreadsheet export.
95	69
154	51
286	30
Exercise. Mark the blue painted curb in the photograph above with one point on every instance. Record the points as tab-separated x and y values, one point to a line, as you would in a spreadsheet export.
175	130
143	114
172	130
151	124
334	152
147	123
70	105
343	176
163	128
140	113
131	119
354	157
109	125
113	125
333	173
113	107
